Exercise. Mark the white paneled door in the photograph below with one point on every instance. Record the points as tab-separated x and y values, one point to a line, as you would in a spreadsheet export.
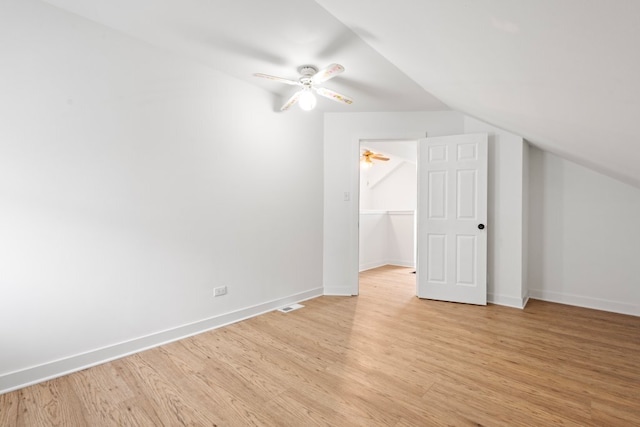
452	218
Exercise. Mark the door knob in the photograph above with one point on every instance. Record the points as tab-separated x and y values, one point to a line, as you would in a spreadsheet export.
480	226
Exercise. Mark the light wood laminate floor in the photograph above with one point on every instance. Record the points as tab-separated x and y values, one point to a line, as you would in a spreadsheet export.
384	358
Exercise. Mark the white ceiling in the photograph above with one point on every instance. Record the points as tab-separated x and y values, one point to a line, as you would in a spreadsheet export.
562	74
243	37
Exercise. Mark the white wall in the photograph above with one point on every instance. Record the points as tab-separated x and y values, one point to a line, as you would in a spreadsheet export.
342	135
584	242
506	227
386	238
374	237
396	191
132	182
401	243
371	176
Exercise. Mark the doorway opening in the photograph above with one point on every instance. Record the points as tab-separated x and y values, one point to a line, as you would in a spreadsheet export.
388	197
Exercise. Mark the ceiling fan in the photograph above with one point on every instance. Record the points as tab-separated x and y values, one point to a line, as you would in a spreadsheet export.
310	78
368	156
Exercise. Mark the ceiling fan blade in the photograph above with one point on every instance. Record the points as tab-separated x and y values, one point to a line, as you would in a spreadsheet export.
327	73
278	79
291	101
333	95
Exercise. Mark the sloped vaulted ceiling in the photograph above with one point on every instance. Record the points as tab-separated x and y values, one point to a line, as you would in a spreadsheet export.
242	37
564	74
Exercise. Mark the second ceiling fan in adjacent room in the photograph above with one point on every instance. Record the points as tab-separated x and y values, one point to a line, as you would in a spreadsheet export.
368	156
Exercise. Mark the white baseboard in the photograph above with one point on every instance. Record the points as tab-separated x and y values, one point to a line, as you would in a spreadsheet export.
36	374
338	291
507	300
401	263
376	264
587	302
371	265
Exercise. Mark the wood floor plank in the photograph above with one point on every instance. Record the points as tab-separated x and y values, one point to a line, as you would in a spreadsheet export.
609	412
167	399
294	409
222	366
384	358
137	412
51	403
486	408
100	390
9	408
220	405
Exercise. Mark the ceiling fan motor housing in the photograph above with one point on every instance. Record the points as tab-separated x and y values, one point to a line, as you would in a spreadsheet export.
307	70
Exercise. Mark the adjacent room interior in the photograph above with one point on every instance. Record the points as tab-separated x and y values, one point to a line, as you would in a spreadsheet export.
388	201
172	173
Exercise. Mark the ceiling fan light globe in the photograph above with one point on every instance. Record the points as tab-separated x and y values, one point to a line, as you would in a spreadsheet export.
307	100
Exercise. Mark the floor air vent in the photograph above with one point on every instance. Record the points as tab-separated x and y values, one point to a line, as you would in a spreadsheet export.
290	308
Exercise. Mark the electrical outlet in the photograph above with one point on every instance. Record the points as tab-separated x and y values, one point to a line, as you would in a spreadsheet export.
222	290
